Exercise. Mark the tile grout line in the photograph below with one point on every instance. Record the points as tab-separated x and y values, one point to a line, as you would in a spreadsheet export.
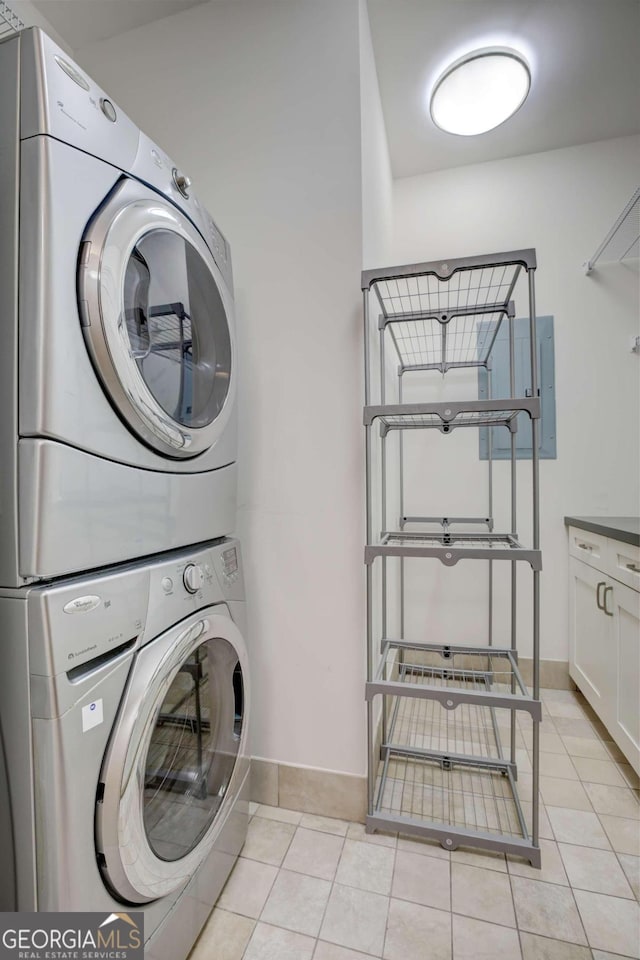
634	895
451	898
258	919
515	912
331	889
537	934
393	873
255	921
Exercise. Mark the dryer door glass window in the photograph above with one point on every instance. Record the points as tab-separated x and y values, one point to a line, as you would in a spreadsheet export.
193	750
177	328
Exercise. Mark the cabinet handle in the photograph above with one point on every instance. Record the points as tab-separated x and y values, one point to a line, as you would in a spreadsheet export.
585	546
599	587
633	566
604	601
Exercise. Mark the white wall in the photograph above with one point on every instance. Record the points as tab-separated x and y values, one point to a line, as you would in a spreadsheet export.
258	100
377	181
562	203
377	227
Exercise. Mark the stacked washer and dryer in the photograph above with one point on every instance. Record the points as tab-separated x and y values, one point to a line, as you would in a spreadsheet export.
123	668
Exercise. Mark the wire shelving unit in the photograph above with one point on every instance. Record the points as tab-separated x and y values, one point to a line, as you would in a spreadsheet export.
443	718
10	22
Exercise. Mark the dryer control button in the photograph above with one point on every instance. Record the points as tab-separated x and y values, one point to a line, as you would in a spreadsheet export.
181	181
167	584
193	577
108	109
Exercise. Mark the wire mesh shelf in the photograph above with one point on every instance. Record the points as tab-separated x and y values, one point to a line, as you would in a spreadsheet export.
457	804
462	795
424	725
464	680
465	284
447	778
10	22
427	295
163	329
447	416
623	240
450	547
443	340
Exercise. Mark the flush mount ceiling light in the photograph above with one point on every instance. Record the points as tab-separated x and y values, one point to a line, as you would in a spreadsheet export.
480	91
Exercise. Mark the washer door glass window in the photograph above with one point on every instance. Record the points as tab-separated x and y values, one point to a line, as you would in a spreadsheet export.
193	750
177	328
157	320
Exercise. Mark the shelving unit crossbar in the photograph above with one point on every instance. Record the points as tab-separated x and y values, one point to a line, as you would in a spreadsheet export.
449	548
480	413
446	522
497	683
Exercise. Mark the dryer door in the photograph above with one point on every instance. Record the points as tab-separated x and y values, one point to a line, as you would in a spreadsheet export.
157	319
176	759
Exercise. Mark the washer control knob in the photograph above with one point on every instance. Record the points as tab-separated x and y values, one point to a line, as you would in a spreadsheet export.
193	577
181	181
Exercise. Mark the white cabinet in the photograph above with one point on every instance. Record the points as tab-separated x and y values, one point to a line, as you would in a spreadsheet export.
591	661
625	628
604	644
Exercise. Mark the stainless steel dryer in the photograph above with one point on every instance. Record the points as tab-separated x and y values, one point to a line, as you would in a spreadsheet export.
123	742
117	369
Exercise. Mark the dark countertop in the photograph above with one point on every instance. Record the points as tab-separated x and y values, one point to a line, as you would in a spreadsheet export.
626	529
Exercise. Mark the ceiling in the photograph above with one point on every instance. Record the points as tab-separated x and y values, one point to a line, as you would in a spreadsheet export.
585	63
81	22
584	57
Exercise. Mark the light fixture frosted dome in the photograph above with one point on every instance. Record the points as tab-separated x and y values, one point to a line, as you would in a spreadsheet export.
480	91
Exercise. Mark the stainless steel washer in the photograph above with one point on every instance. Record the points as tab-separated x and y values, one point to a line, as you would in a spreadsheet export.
124	767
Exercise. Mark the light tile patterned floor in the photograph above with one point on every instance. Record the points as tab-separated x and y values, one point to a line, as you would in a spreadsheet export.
310	888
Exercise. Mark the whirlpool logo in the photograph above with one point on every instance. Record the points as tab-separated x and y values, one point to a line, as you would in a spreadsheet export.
71	936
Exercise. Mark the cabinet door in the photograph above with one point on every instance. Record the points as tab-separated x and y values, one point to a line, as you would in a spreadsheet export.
624	603
592	663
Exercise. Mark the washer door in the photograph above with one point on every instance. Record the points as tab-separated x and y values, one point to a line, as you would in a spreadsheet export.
157	319
176	758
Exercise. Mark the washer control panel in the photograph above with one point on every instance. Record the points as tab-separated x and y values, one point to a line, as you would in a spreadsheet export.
230	565
80	619
190	580
83	619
